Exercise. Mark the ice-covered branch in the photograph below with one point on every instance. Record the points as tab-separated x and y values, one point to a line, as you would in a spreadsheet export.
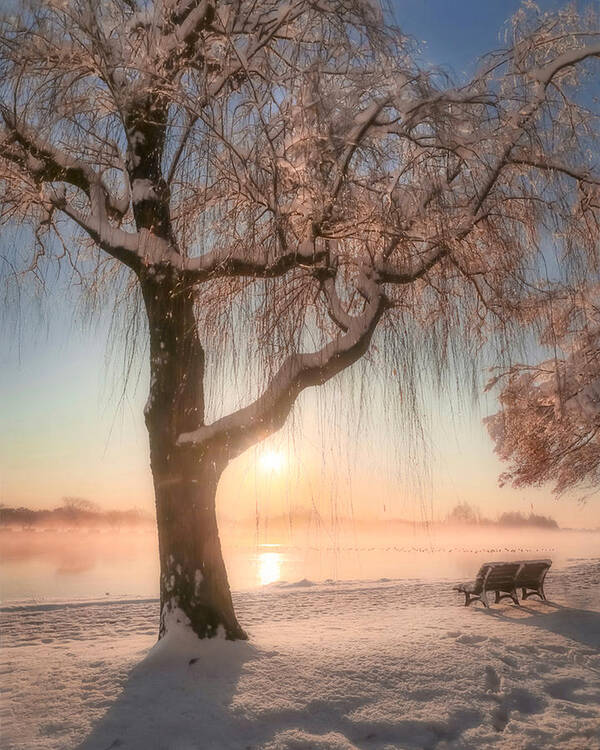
362	124
190	19
258	30
222	263
47	165
238	431
44	162
123	246
335	308
546	73
396	274
547	163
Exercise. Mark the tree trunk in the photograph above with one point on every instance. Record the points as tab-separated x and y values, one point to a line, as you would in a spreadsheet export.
193	579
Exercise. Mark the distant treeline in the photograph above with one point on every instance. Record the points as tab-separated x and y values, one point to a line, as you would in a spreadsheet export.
79	512
74	511
463	513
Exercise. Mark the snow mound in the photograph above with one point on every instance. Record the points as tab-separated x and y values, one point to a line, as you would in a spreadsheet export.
302	584
181	648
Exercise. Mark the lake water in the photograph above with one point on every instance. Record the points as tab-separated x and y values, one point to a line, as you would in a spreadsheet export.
42	566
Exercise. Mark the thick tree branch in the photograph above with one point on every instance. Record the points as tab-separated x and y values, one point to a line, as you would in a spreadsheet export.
362	125
225	263
238	431
391	274
123	246
189	20
335	308
544	163
546	73
46	163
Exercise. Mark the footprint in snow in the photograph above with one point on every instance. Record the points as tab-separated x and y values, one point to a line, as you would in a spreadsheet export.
568	689
492	681
471	639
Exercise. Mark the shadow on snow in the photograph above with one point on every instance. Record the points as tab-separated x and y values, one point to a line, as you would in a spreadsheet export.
580	625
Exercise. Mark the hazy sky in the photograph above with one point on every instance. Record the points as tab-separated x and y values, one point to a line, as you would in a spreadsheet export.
64	430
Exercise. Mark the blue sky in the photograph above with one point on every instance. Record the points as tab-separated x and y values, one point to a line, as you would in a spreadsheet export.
64	431
455	33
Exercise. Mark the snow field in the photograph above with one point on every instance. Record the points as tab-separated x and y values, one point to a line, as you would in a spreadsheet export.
386	665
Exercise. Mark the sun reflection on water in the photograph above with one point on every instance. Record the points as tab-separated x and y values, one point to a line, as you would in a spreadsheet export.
269	567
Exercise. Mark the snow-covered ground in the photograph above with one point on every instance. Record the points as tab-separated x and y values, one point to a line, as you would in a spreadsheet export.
381	664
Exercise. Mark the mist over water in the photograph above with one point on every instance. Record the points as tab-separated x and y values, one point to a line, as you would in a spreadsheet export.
43	566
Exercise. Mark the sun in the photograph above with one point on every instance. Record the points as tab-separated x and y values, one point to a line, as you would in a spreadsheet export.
272	461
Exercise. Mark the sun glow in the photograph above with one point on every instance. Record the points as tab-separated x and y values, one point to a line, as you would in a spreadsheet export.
273	461
269	567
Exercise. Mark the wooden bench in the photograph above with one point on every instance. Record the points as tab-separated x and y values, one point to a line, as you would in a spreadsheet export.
504	578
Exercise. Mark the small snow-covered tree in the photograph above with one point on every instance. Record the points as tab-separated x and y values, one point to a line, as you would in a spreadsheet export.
290	166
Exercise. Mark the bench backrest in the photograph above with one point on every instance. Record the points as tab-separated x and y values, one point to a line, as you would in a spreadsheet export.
506	576
532	573
502	576
496	575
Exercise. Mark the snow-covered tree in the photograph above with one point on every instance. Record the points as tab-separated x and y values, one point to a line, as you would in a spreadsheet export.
289	167
548	426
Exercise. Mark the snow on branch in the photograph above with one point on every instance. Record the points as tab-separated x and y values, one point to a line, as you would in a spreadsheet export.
335	308
47	163
546	73
123	246
549	424
255	137
219	263
266	415
547	163
392	274
189	20
362	124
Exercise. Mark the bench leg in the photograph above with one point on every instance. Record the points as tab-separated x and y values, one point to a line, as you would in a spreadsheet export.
539	592
474	597
542	594
510	595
